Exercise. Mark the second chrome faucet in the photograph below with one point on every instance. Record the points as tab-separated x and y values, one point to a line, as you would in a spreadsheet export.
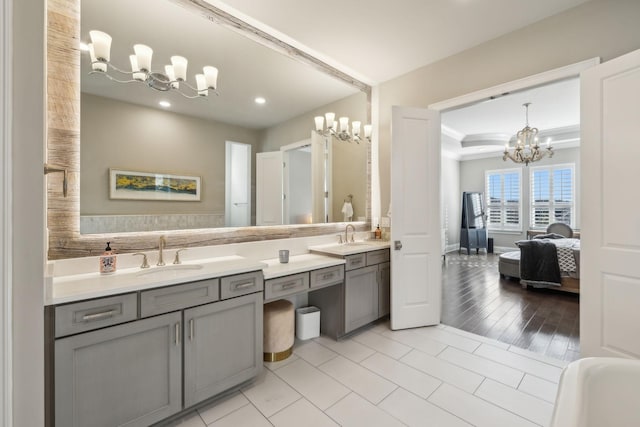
346	233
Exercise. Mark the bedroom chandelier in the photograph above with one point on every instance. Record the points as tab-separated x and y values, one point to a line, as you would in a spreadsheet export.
174	76
342	134
527	149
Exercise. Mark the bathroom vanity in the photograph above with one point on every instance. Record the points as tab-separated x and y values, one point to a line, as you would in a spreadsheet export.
141	345
138	357
364	297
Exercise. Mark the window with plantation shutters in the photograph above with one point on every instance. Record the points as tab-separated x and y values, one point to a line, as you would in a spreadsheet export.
552	195
503	191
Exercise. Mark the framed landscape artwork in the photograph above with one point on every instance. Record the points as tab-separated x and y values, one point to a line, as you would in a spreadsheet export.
153	186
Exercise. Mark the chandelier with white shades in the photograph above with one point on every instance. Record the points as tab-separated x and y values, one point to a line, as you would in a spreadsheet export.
526	148
174	77
342	133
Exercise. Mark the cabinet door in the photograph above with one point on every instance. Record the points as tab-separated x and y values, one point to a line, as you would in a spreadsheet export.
126	375
384	289
360	297
222	347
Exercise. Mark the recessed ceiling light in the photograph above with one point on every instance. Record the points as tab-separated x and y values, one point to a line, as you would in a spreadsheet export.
84	47
260	100
165	104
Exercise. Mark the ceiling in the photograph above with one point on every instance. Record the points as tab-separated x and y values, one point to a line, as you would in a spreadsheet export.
378	40
373	43
554	110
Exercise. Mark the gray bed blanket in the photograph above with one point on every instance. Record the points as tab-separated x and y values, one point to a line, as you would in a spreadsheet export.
539	263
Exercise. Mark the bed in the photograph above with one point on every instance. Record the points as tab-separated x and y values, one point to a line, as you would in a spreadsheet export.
549	261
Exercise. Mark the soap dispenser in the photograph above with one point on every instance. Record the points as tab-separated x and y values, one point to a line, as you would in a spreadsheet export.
378	233
108	261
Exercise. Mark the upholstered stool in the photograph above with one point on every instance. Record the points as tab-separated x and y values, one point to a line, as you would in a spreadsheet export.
279	330
509	264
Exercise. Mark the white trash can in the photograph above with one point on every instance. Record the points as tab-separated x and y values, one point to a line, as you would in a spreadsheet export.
307	322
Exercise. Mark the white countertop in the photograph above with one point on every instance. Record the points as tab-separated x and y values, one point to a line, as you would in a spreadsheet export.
351	248
298	264
78	287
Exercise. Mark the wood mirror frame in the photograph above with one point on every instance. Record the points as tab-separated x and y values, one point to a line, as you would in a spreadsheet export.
63	145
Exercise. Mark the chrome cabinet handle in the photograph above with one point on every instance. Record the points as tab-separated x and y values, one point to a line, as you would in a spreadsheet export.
98	316
327	276
243	286
191	330
289	285
178	333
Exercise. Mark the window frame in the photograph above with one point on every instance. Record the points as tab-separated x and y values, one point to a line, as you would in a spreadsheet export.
551	204
503	206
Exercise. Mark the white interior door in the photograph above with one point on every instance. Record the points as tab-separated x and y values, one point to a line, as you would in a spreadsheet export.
269	188
610	234
238	184
416	286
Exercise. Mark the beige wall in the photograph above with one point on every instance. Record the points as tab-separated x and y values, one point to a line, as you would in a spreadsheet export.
604	28
121	135
472	179
28	211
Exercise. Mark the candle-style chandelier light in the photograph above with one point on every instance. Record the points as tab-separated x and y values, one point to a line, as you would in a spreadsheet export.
526	149
343	133
174	77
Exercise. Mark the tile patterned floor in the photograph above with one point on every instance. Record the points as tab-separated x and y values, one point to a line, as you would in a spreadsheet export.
434	376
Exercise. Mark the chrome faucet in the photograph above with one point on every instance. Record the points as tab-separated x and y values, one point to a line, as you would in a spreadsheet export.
161	245
346	233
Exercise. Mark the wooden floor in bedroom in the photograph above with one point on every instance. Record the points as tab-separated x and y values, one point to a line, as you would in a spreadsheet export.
476	299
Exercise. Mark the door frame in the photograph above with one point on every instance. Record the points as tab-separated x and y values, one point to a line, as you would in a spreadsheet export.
540	79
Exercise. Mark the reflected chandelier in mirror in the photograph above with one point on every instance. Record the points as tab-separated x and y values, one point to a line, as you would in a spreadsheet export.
63	142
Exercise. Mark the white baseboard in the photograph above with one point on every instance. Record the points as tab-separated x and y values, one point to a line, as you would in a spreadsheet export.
452	247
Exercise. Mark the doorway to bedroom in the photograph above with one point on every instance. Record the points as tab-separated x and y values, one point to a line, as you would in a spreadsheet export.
518	202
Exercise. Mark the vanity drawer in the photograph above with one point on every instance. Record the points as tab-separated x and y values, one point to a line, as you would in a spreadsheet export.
327	276
241	284
172	298
355	261
377	257
287	285
99	313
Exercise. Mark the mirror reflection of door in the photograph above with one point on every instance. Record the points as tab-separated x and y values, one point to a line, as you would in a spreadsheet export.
297	185
269	206
237	184
305	181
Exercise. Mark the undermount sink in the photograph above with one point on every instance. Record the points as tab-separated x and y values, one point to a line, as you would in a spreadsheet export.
168	269
357	244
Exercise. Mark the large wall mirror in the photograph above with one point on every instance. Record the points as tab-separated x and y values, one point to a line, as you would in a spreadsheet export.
106	132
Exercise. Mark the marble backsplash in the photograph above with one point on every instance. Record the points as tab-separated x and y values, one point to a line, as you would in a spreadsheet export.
95	224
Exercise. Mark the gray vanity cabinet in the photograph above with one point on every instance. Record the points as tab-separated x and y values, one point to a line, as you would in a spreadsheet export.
222	347
384	289
124	375
360	297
